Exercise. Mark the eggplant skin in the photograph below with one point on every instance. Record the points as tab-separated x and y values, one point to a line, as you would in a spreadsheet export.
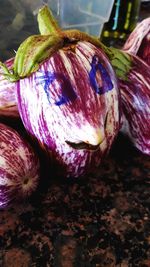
8	101
72	99
135	99
19	167
138	42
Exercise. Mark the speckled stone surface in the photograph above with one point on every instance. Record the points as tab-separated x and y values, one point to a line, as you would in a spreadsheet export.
98	221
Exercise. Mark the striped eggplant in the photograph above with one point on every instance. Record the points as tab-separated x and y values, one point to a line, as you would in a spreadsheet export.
138	42
71	105
67	96
134	84
19	167
8	101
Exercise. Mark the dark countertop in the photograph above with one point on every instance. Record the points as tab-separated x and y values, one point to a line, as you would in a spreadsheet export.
97	221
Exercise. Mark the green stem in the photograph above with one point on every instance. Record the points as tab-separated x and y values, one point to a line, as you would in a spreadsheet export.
47	23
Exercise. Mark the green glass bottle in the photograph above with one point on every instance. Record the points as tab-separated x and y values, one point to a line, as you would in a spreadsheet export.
123	19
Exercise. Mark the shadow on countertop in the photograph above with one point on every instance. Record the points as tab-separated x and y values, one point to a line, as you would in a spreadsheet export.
101	220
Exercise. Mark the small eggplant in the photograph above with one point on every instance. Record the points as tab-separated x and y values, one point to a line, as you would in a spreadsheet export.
19	167
134	84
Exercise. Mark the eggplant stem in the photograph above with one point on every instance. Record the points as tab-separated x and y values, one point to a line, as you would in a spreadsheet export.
47	23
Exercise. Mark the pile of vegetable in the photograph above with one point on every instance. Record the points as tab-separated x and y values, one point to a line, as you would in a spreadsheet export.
73	95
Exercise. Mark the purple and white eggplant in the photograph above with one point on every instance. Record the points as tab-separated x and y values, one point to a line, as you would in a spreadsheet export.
8	101
138	42
19	167
134	84
67	96
71	105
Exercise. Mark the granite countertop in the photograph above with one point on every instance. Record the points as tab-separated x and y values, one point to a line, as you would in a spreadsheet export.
97	221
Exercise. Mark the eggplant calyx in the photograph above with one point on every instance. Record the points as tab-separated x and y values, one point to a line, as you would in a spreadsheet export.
7	73
33	51
37	48
121	62
48	25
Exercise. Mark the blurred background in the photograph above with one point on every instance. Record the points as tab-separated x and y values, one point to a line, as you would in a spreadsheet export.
123	19
111	20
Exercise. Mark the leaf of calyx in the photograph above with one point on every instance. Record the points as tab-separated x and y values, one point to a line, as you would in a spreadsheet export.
121	62
33	51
